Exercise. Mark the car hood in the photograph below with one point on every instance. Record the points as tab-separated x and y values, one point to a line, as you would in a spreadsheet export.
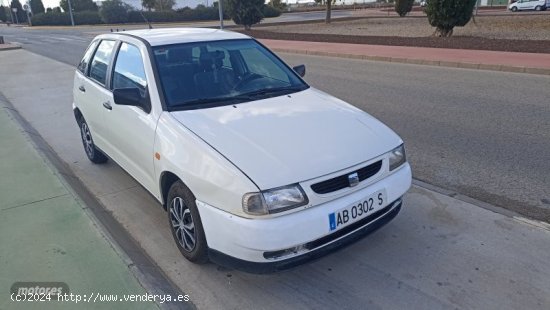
291	138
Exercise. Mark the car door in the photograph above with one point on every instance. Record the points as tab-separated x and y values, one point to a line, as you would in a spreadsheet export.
131	129
80	97
521	4
94	93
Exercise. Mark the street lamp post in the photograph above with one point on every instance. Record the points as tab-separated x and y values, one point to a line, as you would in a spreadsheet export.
220	7
71	12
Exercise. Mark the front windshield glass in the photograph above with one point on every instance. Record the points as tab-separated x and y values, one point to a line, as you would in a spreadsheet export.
207	74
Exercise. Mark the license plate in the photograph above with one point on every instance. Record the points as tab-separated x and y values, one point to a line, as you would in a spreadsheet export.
357	211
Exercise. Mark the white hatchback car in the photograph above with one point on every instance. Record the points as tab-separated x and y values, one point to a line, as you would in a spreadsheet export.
520	5
258	171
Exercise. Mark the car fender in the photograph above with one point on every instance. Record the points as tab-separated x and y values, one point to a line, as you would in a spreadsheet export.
211	177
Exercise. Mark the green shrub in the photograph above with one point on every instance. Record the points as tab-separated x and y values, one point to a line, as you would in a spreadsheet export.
402	7
114	12
154	16
87	18
447	14
270	11
60	19
246	12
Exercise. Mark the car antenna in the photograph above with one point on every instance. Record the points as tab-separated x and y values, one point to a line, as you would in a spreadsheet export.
148	23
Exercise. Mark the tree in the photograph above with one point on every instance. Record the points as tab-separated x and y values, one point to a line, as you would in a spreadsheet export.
246	12
21	15
78	5
447	14
148	4
3	15
329	11
37	7
402	7
164	5
114	11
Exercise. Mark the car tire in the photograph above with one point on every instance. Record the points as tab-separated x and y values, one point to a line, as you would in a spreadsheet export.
538	8
514	9
185	223
93	154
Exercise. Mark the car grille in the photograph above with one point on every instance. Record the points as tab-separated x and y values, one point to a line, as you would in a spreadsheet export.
342	181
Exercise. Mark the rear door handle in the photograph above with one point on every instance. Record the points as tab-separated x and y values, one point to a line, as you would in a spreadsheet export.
107	105
82	89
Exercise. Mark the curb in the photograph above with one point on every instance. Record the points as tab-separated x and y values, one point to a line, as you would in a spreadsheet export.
9	46
450	64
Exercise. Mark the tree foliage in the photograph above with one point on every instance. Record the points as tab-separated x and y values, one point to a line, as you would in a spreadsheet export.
114	11
246	12
78	5
21	15
402	7
164	5
447	14
37	6
3	15
148	4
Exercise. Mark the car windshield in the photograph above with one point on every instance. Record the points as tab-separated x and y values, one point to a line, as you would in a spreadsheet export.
207	74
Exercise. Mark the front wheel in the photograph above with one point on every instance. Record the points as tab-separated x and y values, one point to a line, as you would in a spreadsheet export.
537	8
514	9
93	154
185	223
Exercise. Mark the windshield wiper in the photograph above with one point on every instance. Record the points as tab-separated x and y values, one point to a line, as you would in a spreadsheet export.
206	101
215	101
265	91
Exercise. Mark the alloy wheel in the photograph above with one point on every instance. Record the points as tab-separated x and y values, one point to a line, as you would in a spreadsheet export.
182	224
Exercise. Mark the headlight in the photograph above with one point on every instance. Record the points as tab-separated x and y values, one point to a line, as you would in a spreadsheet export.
274	200
397	157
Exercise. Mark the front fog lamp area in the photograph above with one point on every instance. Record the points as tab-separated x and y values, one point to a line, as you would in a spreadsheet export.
274	200
397	157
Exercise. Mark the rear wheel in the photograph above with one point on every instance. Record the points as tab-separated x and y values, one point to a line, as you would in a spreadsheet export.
93	154
538	8
514	9
185	223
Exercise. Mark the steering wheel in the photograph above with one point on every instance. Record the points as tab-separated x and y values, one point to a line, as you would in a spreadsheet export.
245	79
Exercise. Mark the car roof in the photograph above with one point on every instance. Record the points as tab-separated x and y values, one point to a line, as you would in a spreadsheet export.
165	36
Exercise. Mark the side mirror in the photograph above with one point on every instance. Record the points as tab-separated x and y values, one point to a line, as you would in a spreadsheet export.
301	70
131	97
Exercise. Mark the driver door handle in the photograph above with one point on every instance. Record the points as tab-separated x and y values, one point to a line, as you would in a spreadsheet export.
107	105
82	89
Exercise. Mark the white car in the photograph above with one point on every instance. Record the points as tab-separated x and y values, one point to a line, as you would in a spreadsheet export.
258	171
520	5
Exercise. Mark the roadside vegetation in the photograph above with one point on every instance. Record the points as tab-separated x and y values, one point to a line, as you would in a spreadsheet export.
444	15
403	7
87	12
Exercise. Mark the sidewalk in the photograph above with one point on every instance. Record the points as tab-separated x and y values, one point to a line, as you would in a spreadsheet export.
471	59
46	234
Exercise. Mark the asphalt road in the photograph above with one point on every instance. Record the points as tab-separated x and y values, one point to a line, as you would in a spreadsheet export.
480	133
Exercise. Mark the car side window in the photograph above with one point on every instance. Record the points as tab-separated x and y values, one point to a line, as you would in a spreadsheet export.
129	71
101	60
83	65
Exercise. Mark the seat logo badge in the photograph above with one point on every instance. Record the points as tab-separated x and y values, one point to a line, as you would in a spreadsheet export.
353	179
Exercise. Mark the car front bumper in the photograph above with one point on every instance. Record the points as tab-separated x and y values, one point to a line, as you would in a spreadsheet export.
266	245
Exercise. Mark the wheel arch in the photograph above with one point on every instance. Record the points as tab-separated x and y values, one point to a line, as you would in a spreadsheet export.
167	178
77	114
